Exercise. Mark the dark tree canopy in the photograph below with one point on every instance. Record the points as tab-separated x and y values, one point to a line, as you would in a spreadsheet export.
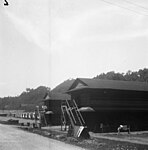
140	75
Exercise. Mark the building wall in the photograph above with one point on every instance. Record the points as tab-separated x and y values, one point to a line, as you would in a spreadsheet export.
112	99
55	107
114	107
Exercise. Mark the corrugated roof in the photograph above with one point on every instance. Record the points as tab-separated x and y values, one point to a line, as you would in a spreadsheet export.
108	84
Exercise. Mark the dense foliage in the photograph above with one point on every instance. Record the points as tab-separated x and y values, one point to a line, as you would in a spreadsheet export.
140	75
28	100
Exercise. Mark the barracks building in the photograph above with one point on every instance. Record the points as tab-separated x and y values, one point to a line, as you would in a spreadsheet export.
106	103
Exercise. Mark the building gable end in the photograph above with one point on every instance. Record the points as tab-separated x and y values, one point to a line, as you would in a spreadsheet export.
79	85
47	97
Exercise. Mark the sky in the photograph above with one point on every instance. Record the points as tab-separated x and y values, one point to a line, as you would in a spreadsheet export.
45	42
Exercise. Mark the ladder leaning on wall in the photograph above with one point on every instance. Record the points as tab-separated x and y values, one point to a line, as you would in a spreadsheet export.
71	116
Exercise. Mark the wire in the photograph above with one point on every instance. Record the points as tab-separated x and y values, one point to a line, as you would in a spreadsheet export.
140	6
114	4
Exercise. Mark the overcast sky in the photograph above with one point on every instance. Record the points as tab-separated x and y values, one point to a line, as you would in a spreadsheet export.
45	42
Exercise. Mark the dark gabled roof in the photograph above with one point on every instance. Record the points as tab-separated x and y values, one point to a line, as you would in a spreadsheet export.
56	96
59	96
83	83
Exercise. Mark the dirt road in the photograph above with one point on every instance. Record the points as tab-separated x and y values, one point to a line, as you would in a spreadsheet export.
15	139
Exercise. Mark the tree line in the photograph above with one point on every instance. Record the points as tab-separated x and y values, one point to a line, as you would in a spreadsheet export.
141	75
27	100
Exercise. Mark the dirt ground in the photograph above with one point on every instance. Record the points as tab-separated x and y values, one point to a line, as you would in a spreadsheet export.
94	143
98	141
110	141
16	139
